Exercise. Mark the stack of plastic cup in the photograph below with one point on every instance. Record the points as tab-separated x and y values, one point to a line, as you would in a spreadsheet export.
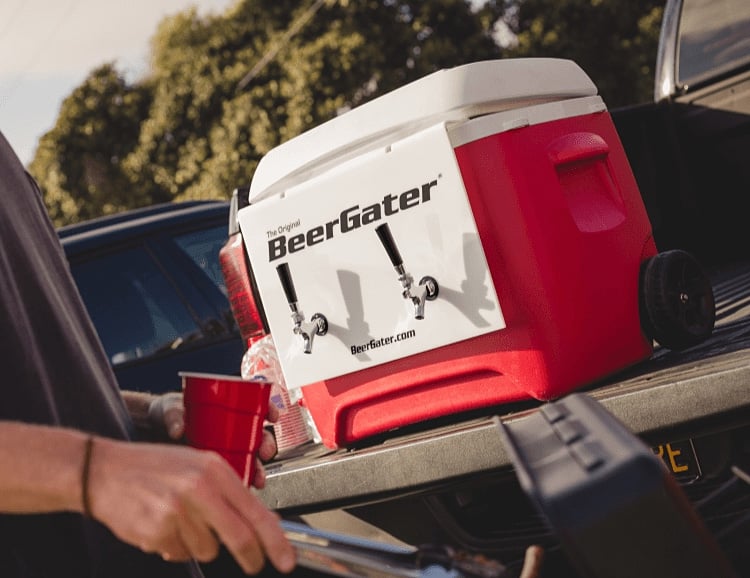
293	428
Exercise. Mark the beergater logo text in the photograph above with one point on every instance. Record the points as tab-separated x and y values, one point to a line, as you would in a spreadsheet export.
271	233
349	219
383	341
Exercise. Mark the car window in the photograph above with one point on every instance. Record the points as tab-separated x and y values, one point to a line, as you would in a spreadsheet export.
714	37
203	248
135	309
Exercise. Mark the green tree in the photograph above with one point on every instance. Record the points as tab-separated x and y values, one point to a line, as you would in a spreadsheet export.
79	162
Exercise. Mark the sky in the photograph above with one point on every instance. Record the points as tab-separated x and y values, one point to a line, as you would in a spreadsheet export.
48	47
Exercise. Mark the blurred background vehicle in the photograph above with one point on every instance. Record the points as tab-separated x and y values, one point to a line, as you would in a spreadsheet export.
151	281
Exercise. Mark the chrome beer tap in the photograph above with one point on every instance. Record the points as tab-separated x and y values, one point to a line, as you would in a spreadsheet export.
318	324
428	288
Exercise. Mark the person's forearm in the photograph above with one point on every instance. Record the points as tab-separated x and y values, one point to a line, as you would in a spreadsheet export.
40	468
179	502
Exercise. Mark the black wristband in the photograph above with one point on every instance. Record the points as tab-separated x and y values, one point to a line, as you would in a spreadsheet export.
87	451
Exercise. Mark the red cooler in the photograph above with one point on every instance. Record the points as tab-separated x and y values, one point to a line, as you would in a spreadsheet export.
471	239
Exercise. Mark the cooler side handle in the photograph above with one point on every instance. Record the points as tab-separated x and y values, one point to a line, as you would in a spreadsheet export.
577	147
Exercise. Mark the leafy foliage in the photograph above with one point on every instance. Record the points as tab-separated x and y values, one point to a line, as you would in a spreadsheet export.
224	89
615	42
79	162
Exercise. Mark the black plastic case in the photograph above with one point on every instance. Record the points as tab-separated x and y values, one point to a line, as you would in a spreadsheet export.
616	509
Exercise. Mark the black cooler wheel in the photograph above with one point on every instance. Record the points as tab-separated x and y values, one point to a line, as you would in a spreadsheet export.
677	301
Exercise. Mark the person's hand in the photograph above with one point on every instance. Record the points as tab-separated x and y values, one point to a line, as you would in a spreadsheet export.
182	503
267	450
166	415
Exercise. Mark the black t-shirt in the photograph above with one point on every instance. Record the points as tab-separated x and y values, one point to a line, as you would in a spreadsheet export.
54	371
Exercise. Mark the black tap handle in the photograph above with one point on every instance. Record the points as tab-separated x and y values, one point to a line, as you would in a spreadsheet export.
286	282
384	234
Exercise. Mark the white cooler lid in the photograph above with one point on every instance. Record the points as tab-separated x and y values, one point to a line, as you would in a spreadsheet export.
453	94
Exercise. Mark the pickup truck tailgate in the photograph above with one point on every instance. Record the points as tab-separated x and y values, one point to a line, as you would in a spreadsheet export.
672	396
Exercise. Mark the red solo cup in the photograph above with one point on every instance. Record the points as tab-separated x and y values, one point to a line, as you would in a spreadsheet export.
225	414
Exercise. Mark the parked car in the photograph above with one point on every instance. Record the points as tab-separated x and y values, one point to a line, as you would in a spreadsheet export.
152	284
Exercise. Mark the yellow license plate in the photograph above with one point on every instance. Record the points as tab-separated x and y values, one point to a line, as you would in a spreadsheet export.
681	459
